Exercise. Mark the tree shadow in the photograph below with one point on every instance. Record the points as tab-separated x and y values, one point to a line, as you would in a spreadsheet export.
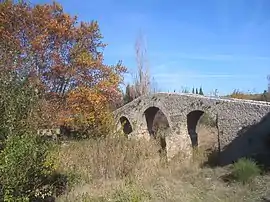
252	141
59	182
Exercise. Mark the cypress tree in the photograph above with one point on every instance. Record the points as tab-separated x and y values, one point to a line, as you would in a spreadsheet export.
127	97
201	91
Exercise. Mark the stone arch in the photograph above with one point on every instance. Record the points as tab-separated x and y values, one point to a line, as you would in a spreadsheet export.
202	129
155	120
192	121
126	125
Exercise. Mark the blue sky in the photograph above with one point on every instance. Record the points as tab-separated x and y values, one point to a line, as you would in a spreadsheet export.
216	44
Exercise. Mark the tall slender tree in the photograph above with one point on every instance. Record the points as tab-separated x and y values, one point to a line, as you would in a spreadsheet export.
141	79
201	91
127	96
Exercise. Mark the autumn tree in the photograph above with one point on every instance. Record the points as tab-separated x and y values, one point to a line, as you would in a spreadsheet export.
61	57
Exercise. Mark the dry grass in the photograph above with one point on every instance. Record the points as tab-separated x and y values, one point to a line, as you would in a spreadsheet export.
117	169
249	96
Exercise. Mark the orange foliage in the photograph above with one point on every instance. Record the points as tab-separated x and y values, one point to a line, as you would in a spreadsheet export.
61	56
87	109
240	95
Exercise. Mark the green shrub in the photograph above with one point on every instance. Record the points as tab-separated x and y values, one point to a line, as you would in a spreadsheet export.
127	193
25	172
130	194
18	101
245	169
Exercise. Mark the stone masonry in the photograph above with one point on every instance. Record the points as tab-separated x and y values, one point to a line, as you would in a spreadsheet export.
243	125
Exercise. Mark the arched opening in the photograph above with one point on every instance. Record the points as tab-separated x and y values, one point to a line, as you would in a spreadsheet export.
127	128
157	125
192	121
202	130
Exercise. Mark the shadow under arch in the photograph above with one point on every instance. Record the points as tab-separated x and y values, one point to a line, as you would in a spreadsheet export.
193	118
125	123
157	124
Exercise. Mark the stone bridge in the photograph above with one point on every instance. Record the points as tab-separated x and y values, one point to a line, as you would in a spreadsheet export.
243	125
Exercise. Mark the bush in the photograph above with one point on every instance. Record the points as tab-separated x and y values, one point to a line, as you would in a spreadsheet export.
130	194
245	169
25	171
18	101
127	193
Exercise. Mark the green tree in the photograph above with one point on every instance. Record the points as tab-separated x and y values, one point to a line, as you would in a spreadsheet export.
127	97
265	96
197	91
201	91
193	90
26	172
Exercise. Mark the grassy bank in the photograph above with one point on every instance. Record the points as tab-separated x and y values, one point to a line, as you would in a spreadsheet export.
123	170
